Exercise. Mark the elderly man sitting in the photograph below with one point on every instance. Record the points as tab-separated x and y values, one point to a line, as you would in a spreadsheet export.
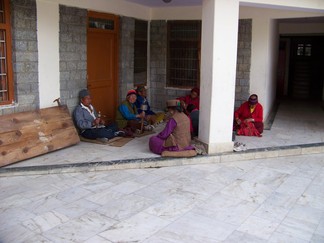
88	122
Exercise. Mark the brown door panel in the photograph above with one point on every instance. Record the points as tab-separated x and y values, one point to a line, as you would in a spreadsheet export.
102	67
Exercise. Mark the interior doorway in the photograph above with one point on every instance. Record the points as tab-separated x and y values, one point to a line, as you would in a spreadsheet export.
301	67
102	62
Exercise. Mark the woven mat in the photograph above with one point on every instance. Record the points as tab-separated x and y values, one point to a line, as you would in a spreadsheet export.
119	142
143	134
116	142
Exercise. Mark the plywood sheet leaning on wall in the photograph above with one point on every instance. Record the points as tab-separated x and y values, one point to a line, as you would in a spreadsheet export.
28	134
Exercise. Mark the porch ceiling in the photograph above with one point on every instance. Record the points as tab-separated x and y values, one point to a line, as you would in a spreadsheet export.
163	3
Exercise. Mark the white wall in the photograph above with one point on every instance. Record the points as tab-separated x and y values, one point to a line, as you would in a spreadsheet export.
218	71
310	5
118	7
176	13
48	53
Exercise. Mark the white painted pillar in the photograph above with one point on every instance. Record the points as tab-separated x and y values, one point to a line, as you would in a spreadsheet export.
48	52
218	72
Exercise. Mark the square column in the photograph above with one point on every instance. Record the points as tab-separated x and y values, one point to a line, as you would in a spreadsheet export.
218	71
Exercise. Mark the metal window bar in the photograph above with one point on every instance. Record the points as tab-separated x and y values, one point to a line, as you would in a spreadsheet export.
4	95
183	53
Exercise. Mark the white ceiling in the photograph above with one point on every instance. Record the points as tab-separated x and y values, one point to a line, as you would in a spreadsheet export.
161	3
183	3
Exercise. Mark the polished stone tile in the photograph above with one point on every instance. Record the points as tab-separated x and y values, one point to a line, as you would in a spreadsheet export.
307	214
281	200
43	205
79	229
294	186
232	210
46	221
225	175
77	208
127	187
118	176
249	191
267	177
319	179
259	227
283	238
309	169
14	201
72	194
96	239
97	185
125	206
161	190
14	216
271	212
136	228
38	192
173	207
103	197
196	228
15	233
242	237
297	228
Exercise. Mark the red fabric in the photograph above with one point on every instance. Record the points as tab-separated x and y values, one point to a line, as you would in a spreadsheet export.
243	112
248	129
188	100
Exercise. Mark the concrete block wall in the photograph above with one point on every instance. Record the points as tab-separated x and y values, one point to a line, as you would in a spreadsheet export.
126	56
24	57
73	54
158	49
242	89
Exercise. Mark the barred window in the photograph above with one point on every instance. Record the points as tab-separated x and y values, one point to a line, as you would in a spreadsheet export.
183	60
140	53
6	80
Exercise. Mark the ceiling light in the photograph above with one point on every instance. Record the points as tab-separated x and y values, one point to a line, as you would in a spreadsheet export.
167	1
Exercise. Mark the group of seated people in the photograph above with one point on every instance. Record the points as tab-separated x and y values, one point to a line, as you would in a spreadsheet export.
182	120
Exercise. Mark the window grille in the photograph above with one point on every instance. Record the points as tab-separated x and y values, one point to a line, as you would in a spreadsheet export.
183	60
6	81
98	23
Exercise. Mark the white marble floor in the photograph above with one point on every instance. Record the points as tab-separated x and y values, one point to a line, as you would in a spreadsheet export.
278	199
266	200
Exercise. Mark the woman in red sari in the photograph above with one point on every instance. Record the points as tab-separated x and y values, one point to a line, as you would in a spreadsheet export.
249	118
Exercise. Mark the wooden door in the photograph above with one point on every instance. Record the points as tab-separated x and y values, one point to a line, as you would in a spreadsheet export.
102	62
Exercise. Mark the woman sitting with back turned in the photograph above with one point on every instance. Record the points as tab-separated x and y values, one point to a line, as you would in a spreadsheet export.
176	134
249	118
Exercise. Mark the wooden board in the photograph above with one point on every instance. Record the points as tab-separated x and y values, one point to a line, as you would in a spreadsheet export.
28	134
